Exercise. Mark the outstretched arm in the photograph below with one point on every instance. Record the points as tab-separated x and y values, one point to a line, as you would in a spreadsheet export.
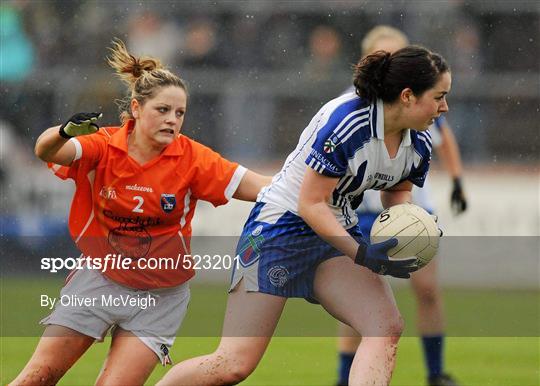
51	147
251	185
448	151
53	144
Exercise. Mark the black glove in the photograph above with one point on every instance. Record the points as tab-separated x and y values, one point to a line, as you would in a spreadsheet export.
458	203
80	124
375	257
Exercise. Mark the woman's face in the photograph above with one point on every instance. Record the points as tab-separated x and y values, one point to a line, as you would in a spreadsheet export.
160	118
422	110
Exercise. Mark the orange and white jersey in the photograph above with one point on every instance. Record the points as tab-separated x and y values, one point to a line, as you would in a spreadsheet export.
142	211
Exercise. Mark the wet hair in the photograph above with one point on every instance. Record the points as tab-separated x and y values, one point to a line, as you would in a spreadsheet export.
384	75
144	76
382	32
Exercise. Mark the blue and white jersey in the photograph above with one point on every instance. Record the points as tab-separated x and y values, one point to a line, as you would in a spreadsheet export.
345	140
420	196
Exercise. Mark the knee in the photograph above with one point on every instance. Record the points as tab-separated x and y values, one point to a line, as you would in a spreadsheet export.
395	326
391	326
237	374
236	368
234	374
38	374
427	296
388	325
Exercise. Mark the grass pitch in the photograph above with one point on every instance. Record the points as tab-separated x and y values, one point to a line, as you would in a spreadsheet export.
493	338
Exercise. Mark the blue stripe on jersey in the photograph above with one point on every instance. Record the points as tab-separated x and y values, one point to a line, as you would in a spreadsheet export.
373	122
422	147
422	136
333	145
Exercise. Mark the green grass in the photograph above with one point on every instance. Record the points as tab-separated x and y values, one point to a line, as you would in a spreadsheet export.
493	338
312	361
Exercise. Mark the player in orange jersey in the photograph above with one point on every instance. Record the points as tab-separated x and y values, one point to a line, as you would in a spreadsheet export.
136	190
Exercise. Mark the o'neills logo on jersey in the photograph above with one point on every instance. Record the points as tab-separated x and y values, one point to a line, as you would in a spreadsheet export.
384	177
329	146
140	188
108	193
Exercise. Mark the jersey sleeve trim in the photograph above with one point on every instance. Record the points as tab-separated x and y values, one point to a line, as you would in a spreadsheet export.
235	181
78	149
321	165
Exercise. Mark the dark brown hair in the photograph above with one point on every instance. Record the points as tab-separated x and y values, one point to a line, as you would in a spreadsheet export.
384	75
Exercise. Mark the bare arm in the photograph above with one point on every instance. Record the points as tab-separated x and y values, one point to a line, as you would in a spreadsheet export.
313	208
51	147
251	185
397	194
448	151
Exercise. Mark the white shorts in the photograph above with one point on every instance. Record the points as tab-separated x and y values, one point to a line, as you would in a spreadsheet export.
91	304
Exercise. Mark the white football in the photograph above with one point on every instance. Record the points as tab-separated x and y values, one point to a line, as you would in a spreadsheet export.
416	231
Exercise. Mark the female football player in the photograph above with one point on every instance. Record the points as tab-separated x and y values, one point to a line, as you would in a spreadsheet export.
302	239
136	190
430	315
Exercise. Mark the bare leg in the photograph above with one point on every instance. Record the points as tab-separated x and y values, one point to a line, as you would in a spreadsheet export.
250	321
348	338
58	349
430	314
364	301
129	361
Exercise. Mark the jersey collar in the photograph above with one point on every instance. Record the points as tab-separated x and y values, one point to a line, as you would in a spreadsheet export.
119	141
379	127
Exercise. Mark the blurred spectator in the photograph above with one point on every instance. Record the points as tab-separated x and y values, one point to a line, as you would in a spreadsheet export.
282	47
17	59
324	59
200	45
148	34
466	47
243	48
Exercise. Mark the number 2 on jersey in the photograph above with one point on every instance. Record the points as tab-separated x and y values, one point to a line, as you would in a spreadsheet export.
137	208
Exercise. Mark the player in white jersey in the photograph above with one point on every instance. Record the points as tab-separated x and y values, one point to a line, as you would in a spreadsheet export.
302	237
425	284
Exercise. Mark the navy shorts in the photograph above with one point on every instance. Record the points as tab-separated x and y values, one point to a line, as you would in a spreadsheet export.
278	253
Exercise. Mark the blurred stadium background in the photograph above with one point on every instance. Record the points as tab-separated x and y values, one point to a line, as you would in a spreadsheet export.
257	72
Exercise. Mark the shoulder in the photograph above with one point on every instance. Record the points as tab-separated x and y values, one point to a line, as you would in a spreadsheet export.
344	105
191	146
196	151
422	142
107	132
347	115
102	136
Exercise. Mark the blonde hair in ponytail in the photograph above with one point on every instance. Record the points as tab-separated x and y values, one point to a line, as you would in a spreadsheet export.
143	76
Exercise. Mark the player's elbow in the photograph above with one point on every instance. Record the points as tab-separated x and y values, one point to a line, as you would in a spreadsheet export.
303	207
40	151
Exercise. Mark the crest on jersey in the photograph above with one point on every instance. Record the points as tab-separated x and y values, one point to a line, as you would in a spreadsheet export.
168	202
108	192
329	146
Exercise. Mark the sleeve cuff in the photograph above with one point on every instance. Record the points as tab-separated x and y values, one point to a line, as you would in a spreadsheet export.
235	181
78	148
321	168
